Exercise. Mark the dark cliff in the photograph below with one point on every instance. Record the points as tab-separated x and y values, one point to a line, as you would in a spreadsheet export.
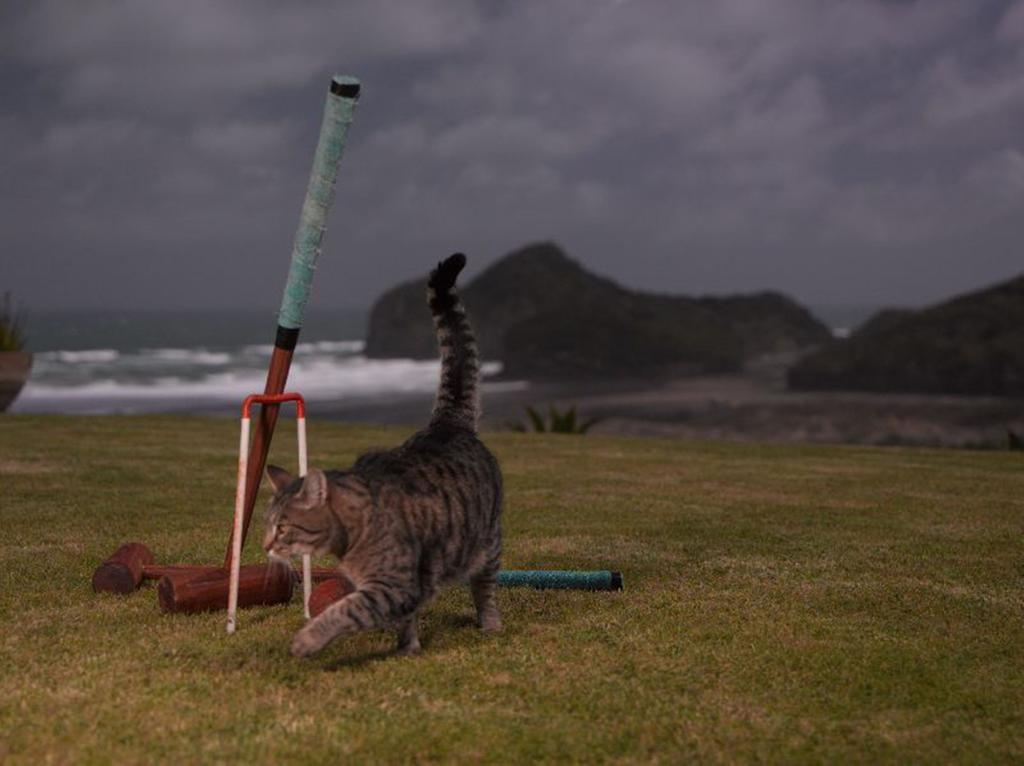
972	344
544	315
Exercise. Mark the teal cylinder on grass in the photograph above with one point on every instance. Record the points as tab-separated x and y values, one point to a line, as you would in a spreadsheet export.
565	579
339	111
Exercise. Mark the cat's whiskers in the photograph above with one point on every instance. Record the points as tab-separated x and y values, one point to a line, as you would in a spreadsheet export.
276	558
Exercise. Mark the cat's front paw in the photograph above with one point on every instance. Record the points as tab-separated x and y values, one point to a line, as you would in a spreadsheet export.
306	644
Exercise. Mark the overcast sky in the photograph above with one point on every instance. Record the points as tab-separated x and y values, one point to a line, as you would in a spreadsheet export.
155	154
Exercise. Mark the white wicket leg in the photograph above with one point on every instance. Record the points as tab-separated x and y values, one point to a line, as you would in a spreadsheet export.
236	537
307	563
307	582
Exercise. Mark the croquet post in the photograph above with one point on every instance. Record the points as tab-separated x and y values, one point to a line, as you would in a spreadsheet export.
339	111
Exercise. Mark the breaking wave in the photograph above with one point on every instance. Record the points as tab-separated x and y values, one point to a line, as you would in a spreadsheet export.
182	379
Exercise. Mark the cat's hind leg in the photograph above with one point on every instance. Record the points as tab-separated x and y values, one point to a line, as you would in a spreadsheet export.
483	585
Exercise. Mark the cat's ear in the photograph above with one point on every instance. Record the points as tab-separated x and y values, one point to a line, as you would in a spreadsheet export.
314	488
279	478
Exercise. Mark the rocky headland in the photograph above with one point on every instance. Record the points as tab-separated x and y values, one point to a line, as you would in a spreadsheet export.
547	318
970	345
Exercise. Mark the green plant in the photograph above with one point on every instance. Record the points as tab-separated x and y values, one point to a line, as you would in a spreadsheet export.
12	336
557	423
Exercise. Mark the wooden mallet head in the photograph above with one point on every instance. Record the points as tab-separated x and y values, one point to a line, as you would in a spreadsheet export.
328	592
122	572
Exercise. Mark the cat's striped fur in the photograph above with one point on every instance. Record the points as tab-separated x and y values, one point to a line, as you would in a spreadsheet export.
407	520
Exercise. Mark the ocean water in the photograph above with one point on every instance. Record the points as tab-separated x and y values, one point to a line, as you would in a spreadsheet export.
124	362
101	362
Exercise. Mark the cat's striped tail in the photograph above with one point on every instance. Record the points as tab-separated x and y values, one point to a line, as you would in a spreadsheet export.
458	395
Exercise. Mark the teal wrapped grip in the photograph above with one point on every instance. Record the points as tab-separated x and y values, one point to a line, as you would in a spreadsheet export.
565	579
339	111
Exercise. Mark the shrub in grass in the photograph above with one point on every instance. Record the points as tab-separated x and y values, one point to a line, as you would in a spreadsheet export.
557	422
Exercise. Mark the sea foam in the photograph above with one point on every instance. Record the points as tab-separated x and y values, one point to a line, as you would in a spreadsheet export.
177	379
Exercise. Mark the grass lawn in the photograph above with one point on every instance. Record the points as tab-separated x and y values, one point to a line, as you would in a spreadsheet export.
782	603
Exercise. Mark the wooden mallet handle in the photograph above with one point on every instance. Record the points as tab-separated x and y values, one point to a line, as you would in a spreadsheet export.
258	585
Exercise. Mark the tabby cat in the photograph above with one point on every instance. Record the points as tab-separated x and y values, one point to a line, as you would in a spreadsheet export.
407	520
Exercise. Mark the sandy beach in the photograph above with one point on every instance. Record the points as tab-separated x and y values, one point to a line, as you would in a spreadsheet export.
750	406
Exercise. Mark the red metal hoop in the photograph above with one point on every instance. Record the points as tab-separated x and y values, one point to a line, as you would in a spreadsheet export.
289	396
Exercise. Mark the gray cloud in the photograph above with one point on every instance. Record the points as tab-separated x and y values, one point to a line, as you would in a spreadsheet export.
156	153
